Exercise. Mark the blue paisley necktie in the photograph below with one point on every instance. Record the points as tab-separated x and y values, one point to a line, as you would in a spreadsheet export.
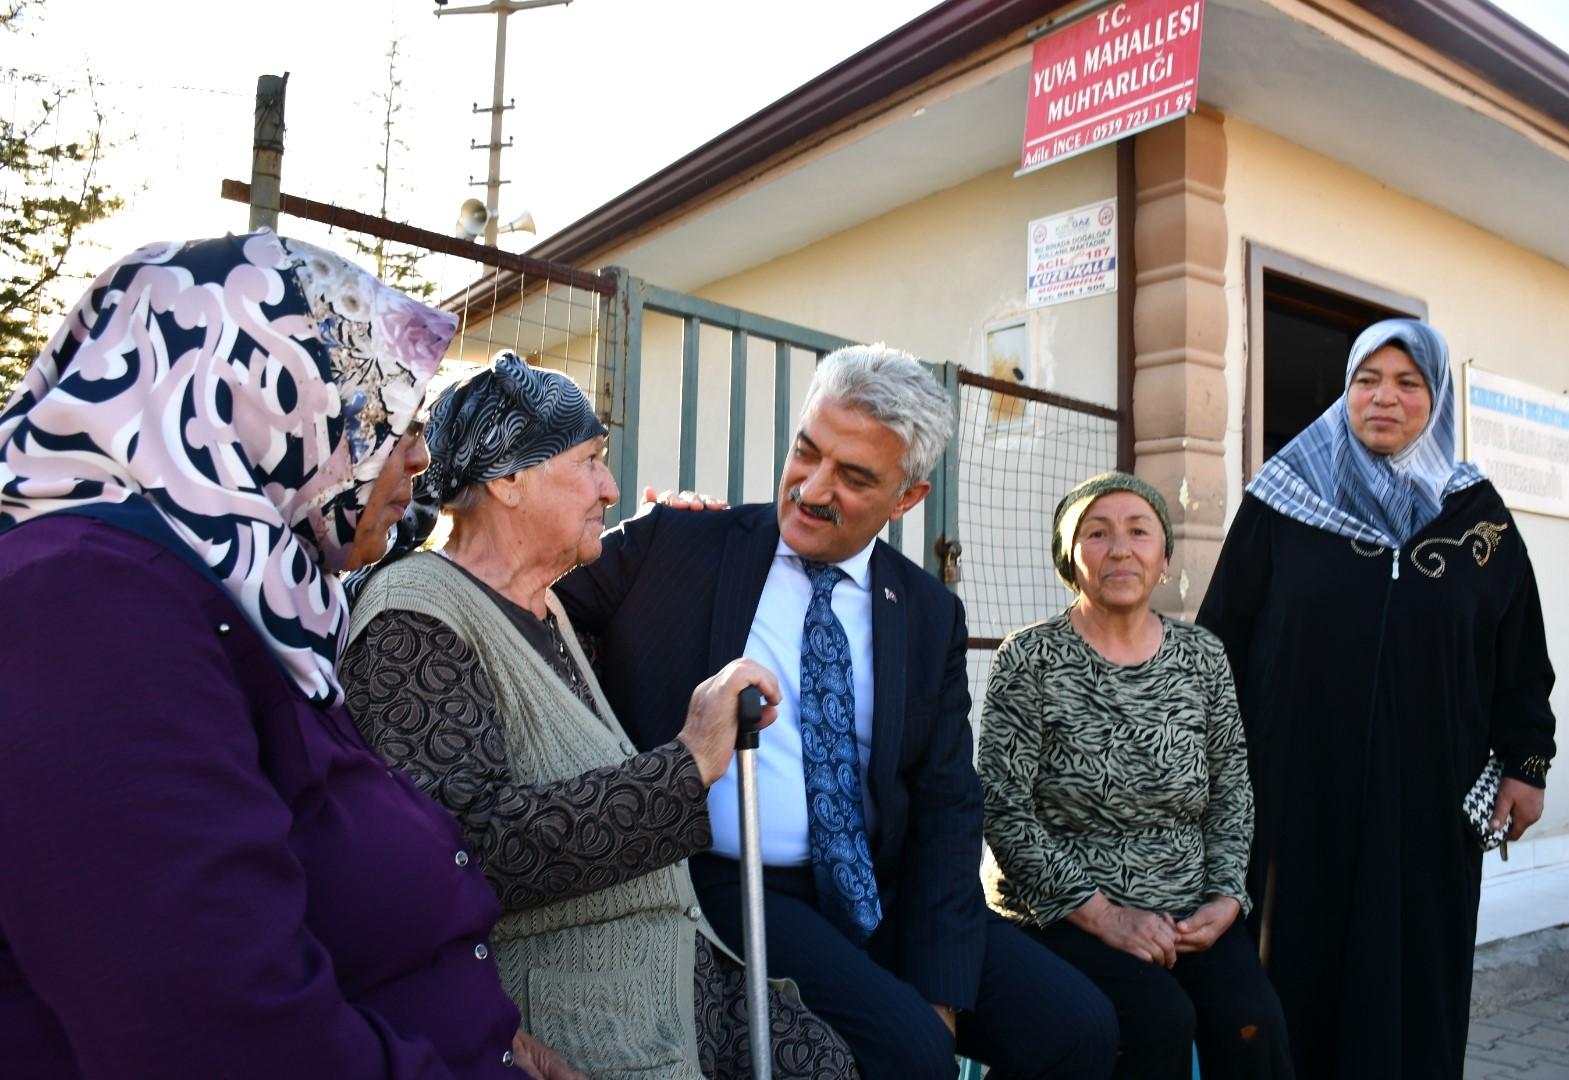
836	820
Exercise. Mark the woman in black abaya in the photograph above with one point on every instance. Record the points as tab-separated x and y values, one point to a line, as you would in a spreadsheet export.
1383	624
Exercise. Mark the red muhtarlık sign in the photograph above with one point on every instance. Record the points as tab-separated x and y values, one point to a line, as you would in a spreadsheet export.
1116	71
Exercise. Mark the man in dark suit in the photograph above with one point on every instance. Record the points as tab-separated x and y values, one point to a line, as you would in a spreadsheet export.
871	807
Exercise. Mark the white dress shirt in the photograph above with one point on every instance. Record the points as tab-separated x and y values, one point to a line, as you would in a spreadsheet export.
775	642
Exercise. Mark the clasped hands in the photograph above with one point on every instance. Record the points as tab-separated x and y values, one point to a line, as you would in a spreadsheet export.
1154	935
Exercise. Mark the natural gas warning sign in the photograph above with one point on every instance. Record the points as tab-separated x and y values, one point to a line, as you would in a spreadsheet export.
1114	72
1072	256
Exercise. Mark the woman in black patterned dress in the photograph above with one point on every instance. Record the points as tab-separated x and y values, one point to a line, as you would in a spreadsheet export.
1118	810
463	670
1379	609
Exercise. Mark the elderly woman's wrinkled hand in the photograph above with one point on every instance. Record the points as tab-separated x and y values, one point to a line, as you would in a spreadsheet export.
1144	934
709	732
540	1061
683	500
1203	928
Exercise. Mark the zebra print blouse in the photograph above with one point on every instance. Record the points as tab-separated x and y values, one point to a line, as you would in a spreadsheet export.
1130	780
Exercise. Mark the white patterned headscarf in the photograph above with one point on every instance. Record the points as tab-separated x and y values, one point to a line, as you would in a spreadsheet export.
1326	478
237	397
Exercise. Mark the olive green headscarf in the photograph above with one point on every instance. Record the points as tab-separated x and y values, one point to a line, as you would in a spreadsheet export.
1065	523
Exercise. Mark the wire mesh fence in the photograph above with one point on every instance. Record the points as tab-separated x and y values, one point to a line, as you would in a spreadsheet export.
548	313
1020	451
549	322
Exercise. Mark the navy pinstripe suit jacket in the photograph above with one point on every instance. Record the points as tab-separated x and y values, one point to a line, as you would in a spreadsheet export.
672	599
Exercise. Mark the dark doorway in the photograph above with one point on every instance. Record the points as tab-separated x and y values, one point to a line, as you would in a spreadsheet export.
1302	321
1308	333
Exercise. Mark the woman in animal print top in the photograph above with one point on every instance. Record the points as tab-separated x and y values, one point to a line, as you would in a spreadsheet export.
1118	808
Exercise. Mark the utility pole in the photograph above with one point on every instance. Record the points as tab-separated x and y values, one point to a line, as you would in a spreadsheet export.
267	151
493	181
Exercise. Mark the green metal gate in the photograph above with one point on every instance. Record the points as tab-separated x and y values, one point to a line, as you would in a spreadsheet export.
1015	451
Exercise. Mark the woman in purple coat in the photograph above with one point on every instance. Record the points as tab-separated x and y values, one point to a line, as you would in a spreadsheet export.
206	873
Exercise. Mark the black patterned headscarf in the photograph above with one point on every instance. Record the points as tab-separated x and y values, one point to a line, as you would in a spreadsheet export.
507	418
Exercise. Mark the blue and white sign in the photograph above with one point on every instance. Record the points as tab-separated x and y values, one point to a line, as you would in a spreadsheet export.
1518	434
1072	256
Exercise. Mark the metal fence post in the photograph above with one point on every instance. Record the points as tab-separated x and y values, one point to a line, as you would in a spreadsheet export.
624	372
782	416
736	482
942	502
686	463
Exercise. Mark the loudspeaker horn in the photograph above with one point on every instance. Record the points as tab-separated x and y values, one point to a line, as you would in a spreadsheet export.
524	222
472	217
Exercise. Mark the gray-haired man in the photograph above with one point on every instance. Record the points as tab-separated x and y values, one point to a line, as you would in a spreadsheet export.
871	806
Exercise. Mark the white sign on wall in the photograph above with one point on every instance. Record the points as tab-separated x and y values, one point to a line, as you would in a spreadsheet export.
1518	434
1072	256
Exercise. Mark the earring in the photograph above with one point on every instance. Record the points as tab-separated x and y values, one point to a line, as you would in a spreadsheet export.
1164	577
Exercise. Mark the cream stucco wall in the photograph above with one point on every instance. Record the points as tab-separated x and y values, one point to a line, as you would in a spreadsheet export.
930	277
1499	305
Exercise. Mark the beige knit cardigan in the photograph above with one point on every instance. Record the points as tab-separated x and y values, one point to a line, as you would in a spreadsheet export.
605	979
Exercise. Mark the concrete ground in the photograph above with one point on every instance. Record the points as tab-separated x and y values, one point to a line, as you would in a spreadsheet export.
1520	1008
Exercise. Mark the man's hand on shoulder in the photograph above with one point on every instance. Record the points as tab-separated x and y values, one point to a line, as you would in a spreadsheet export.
683	500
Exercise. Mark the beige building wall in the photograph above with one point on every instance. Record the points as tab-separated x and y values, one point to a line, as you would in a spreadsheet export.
1500	306
931	277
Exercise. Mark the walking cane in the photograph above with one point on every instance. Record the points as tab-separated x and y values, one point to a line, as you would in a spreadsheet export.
757	1025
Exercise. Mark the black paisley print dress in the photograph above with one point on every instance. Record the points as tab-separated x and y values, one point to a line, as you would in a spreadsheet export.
1131	780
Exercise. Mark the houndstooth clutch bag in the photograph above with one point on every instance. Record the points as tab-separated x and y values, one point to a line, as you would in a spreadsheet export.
1477	806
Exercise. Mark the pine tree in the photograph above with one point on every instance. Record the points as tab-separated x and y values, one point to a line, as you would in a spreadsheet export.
50	192
396	264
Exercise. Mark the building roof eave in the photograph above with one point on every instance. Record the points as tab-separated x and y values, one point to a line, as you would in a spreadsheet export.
1488	41
922	46
1471	33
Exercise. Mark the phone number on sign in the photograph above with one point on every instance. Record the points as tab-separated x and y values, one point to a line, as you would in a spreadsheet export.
1134	119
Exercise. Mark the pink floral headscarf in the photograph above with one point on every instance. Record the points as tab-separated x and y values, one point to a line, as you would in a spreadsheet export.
247	389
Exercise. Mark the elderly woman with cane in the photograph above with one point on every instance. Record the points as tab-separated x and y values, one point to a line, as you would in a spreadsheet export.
465	673
207	873
1118	809
1381	615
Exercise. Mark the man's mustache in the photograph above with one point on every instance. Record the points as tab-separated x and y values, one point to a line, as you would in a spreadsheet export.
822	513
